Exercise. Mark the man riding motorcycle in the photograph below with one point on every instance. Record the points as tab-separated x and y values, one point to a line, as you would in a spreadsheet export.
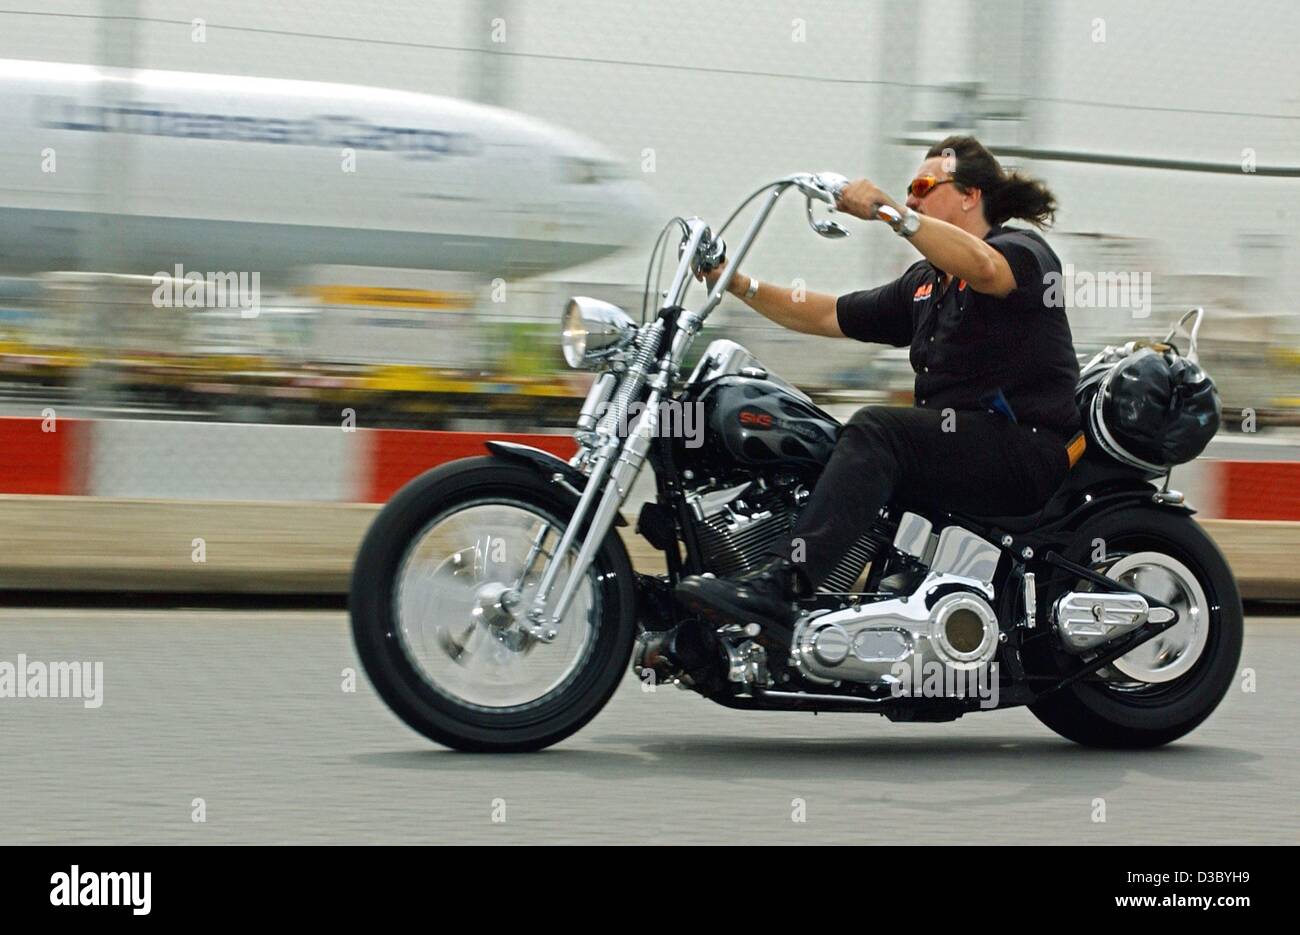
995	370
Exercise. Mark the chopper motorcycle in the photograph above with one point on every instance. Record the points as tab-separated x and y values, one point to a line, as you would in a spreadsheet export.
494	605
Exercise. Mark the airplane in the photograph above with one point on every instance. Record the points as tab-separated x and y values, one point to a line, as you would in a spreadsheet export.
138	171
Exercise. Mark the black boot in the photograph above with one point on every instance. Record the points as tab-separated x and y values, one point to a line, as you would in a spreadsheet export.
765	594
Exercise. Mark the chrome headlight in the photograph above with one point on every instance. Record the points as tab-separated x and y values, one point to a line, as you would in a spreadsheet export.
594	330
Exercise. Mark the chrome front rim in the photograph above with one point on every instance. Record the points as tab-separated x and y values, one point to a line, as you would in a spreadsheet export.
1174	652
460	596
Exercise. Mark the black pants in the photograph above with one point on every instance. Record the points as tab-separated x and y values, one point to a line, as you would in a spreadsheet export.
970	462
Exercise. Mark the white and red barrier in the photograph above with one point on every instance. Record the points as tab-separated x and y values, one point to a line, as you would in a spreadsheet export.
125	504
154	459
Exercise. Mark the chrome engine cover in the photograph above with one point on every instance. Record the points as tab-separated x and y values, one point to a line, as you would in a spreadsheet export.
866	643
947	619
1086	619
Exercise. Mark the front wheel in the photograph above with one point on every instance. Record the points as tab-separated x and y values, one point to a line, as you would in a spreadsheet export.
438	602
1170	684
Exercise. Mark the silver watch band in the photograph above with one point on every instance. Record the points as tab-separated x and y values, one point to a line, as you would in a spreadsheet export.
908	224
752	289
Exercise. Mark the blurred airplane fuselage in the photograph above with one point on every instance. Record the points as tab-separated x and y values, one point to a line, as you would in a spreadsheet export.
129	171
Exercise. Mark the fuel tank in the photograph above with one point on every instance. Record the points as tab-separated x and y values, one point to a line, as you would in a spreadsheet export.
754	421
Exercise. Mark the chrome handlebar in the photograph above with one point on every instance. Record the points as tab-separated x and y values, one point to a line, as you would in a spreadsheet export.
827	186
701	252
822	186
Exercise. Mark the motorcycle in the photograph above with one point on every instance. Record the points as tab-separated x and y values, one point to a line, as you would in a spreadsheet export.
494	605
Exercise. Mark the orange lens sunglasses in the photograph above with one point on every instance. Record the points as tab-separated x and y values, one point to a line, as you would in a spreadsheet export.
920	187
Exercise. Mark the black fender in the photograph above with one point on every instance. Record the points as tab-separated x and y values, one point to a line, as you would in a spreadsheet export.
1100	501
1097	485
545	463
1086	507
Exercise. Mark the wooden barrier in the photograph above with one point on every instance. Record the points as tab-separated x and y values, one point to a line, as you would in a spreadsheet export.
66	543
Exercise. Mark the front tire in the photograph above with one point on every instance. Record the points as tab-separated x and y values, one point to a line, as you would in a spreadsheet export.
455	711
1120	709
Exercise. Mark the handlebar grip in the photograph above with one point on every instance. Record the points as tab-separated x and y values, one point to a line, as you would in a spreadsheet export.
832	183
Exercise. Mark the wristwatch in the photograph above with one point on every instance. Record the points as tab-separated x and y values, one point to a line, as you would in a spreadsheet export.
909	224
752	289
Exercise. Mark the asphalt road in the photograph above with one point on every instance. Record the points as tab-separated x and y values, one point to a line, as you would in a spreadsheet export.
246	711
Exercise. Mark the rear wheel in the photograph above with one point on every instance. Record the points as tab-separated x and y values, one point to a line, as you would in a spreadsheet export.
439	597
1167	686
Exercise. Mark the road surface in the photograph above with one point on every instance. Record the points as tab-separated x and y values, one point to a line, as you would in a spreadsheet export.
246	711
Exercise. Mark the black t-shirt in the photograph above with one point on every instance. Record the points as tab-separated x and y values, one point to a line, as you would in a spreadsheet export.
973	351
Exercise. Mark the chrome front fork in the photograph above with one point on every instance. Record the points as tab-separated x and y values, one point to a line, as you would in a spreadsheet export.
615	469
539	626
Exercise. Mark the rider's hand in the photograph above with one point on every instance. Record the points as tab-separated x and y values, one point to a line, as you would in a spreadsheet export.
861	198
711	278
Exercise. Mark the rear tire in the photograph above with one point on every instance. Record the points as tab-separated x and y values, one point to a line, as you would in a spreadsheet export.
1094	712
402	684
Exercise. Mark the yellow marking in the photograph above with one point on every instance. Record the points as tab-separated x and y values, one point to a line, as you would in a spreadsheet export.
391	298
1076	447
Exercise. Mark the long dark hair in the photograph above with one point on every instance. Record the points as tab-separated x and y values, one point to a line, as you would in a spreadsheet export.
1006	194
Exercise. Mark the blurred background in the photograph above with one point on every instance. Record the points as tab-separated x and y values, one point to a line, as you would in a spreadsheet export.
387	203
505	155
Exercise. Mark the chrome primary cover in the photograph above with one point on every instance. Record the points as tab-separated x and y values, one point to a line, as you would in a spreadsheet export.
865	643
947	619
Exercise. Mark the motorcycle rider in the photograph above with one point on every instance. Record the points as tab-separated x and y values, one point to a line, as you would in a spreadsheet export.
995	370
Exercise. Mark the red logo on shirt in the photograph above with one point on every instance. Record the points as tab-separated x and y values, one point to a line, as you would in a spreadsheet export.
923	292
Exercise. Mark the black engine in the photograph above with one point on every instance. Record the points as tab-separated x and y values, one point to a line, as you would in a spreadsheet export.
737	524
764	446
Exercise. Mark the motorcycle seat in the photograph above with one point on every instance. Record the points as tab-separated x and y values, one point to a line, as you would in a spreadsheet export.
1059	502
1018	524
